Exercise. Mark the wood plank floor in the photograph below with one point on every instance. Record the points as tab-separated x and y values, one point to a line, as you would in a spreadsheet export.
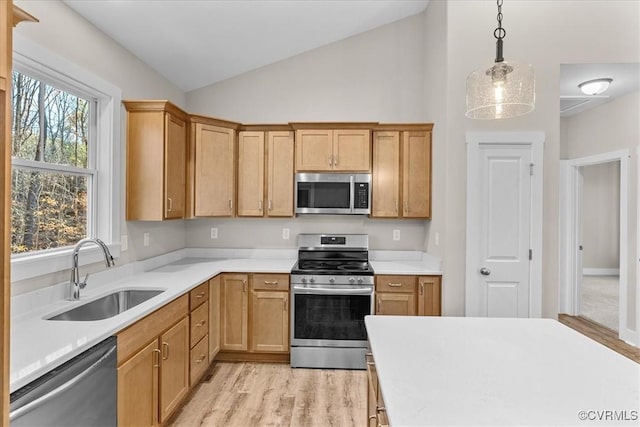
273	394
601	334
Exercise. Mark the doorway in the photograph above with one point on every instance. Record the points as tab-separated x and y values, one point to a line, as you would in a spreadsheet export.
504	224
594	224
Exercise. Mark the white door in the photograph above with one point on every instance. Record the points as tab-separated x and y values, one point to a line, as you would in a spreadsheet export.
499	231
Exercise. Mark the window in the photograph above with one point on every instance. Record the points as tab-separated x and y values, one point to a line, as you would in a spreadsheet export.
53	171
66	162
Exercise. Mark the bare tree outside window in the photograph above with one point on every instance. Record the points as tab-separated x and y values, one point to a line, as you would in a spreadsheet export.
51	176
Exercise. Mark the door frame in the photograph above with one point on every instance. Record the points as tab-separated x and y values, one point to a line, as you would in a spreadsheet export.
570	201
536	141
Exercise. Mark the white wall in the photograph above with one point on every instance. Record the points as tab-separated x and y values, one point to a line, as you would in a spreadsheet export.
66	34
610	127
546	34
375	76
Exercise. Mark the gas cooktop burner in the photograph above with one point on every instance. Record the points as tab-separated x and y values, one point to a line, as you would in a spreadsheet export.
333	267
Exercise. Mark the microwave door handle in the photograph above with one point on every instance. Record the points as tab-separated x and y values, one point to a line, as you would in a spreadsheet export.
352	189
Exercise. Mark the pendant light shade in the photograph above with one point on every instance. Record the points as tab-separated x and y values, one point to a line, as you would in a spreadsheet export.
501	90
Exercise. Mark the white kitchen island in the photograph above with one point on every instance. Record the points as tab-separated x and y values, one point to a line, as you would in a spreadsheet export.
479	371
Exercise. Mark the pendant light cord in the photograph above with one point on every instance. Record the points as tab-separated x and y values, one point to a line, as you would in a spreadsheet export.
499	33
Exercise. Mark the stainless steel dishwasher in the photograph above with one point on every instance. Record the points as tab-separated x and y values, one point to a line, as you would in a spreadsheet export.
81	392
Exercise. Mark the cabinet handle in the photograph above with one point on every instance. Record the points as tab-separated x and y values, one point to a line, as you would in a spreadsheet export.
270	204
230	204
157	354
330	160
201	358
371	364
379	304
421	288
394	285
269	283
200	323
260	205
406	206
395	206
244	286
200	295
285	303
165	346
335	161
373	417
170	207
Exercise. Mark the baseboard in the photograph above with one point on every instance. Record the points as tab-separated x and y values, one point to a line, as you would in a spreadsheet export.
601	271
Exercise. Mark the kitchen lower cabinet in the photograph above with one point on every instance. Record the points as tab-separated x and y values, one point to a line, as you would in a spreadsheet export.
235	312
153	365
270	321
407	295
214	317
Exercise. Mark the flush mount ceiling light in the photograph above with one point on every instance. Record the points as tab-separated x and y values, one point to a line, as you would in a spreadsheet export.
502	89
595	87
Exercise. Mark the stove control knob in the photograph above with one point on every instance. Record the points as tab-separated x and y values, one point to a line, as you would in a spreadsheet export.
332	280
360	280
312	280
304	280
351	280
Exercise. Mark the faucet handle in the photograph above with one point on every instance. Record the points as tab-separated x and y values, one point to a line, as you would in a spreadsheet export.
84	282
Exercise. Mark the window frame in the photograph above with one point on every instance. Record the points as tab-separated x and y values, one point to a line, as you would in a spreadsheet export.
103	162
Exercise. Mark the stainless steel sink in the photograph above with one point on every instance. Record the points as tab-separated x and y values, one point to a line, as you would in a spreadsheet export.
107	306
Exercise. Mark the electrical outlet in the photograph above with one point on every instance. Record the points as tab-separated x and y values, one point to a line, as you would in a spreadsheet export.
214	232
437	238
145	239
285	234
396	234
124	243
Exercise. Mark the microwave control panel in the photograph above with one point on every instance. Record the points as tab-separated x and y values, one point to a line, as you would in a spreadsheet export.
361	196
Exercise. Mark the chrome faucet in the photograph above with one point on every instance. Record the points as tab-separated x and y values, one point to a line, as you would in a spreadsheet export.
74	283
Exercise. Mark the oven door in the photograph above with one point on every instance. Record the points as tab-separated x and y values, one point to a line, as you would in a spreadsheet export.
330	316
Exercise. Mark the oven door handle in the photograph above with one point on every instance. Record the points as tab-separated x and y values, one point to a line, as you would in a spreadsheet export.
333	291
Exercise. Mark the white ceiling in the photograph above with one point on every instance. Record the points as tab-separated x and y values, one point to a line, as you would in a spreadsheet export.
626	79
195	43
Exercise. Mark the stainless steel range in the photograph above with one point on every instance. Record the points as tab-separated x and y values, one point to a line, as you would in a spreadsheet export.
331	292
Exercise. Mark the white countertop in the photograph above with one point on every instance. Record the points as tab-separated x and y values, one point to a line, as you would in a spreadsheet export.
39	345
479	371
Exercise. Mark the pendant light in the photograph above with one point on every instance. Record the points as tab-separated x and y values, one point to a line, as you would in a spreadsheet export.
502	89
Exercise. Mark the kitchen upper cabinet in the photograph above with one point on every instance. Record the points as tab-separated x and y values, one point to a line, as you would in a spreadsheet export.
401	174
333	150
174	381
270	313
429	295
156	160
385	192
212	169
251	155
214	317
235	312
416	174
280	173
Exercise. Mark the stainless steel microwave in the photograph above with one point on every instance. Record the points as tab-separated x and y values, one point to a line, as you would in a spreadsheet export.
333	193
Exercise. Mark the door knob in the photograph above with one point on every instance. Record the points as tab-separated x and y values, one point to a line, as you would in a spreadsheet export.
485	271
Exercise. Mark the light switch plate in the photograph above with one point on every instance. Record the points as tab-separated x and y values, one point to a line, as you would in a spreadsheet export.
285	234
145	239
124	243
214	232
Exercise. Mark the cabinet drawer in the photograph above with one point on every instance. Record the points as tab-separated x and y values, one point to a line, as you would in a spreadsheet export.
270	282
199	295
395	283
199	323
142	332
199	359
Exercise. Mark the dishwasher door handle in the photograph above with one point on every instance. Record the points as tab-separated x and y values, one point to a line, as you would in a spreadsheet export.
61	389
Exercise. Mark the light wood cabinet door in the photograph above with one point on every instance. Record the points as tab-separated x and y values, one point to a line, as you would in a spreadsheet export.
175	166
429	296
385	192
314	150
352	150
138	388
270	322
6	47
416	174
251	173
397	304
235	312
174	371
280	173
214	317
214	170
